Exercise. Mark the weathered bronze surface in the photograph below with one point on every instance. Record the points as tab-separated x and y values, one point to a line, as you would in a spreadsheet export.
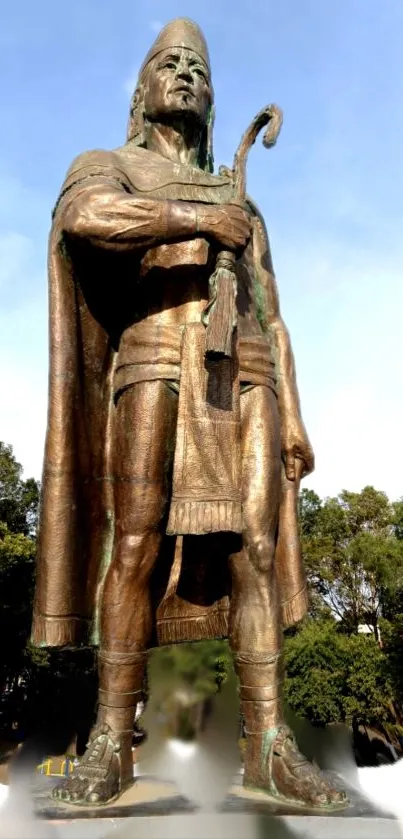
175	442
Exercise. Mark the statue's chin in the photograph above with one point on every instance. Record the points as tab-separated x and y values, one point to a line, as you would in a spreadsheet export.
185	109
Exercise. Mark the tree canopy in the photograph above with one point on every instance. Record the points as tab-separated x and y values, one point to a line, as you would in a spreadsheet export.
353	553
335	677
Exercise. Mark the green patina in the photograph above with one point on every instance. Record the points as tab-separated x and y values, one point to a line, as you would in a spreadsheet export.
268	739
259	303
104	565
206	159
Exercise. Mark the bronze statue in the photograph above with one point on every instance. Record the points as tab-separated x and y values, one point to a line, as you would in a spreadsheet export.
175	443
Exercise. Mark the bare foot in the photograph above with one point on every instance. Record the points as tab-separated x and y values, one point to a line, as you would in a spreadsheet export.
98	779
276	766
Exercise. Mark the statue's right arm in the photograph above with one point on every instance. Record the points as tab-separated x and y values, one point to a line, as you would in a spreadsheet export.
103	211
109	217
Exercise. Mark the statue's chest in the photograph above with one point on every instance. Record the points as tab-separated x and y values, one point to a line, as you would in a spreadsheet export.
153	177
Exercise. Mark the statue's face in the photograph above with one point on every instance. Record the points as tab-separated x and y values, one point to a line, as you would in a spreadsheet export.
178	85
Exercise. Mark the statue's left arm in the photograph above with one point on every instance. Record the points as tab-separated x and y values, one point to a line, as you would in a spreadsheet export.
294	438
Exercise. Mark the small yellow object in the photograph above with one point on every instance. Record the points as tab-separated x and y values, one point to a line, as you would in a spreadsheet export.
58	767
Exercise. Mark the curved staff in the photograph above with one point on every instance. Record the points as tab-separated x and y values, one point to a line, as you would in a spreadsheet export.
220	315
272	116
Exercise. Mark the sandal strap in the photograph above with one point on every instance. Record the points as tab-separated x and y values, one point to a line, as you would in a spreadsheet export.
99	755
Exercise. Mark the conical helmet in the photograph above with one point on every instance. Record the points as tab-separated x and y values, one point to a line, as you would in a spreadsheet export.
179	33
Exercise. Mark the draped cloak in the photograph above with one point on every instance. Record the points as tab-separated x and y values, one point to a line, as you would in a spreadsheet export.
89	290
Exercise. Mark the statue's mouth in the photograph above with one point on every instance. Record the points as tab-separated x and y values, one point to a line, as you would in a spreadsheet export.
185	89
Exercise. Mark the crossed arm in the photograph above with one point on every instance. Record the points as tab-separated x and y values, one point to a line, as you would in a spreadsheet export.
109	217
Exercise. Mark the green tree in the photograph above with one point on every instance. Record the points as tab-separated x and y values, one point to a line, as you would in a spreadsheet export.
16	586
353	554
18	519
19	499
397	521
334	677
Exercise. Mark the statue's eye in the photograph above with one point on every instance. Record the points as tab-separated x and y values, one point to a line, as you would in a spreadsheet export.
199	72
170	65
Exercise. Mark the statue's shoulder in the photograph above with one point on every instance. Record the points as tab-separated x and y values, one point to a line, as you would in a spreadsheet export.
90	164
96	158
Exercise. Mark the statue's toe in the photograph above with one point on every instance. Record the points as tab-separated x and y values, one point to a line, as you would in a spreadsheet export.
93	798
338	797
321	799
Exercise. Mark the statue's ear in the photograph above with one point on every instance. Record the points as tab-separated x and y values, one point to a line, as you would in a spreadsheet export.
135	127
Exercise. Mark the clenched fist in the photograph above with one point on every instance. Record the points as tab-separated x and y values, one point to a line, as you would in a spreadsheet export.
229	225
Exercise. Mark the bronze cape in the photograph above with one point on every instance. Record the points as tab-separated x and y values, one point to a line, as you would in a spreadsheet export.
77	515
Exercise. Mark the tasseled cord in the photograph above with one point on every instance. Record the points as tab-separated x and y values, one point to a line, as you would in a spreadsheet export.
220	315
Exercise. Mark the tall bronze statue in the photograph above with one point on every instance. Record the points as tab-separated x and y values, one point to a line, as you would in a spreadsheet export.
175	443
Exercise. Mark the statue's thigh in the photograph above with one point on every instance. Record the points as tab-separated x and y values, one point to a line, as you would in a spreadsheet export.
143	448
261	458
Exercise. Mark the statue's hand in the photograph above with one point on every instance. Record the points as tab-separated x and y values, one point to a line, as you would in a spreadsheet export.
298	456
227	224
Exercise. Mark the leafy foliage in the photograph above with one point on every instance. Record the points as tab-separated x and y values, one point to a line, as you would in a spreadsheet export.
353	553
19	499
18	517
334	677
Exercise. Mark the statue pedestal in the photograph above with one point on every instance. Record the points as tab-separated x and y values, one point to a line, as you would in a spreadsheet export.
153	809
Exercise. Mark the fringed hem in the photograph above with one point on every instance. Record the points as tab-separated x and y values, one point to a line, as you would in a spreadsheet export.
58	632
201	517
295	609
178	630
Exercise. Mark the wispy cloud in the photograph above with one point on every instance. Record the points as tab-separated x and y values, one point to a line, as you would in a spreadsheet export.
130	84
23	323
345	327
16	252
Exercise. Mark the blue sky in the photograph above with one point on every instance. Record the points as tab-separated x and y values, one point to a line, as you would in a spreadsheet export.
331	193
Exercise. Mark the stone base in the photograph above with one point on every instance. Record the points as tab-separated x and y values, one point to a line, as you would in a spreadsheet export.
153	809
150	796
224	826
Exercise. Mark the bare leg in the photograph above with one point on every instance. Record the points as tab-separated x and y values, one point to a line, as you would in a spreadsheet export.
145	423
255	612
145	434
272	760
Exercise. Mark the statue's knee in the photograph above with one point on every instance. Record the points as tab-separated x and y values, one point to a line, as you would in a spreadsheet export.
137	551
261	550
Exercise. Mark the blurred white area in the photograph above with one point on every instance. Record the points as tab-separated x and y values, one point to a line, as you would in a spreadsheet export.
202	772
383	786
3	794
332	749
17	818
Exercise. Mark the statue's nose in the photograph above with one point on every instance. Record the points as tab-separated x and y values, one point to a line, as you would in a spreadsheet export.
183	72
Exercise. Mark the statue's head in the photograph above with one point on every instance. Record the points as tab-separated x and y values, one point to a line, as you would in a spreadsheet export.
175	84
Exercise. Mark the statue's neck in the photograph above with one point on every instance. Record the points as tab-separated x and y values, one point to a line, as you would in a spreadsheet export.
178	143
